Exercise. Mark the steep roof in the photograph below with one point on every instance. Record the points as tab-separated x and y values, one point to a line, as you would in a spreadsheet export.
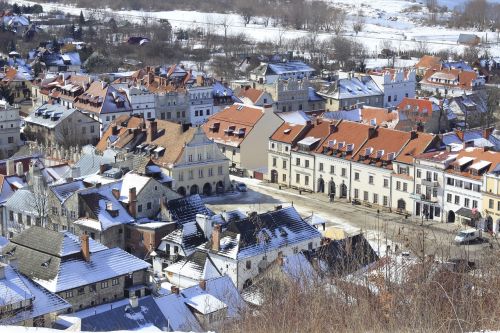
346	139
354	87
188	235
416	146
101	97
233	124
184	210
288	133
428	61
251	94
258	234
474	162
450	78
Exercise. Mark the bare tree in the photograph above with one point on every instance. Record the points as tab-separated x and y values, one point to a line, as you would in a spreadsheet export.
358	23
338	20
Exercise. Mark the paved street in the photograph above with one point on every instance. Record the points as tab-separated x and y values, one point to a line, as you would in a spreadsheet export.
386	228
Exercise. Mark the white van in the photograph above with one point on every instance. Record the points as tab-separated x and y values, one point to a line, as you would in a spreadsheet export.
467	235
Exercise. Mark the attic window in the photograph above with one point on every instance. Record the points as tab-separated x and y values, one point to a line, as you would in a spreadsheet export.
380	153
46	263
341	145
332	143
391	156
368	151
287	131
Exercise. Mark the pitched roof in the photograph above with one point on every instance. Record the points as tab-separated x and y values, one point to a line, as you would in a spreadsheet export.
258	234
233	124
474	162
101	97
188	235
197	266
288	133
377	116
184	210
251	94
450	78
415	147
428	61
346	139
355	87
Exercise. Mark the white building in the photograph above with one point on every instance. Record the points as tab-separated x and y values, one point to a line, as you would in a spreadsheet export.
246	247
201	104
396	85
10	123
267	73
143	101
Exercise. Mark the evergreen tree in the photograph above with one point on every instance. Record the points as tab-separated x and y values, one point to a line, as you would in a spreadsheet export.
81	19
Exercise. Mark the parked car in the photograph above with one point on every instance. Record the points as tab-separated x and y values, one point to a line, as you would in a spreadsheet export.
241	187
468	235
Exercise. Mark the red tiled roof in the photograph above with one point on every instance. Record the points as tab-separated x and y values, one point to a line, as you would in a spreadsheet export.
416	146
345	133
478	155
382	116
250	93
237	118
288	133
464	78
428	61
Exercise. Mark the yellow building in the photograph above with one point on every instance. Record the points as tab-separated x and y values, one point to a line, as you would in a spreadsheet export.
491	199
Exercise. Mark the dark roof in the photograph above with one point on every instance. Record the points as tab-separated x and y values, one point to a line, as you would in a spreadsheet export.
341	257
189	236
185	209
465	212
127	318
264	232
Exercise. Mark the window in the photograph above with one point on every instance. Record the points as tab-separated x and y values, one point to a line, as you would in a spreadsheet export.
321	167
419	173
210	172
190	174
139	208
343	173
437	211
28	220
148	205
405	187
274	161
284	177
92	129
10	139
370	180
428	175
297	178
284	164
356	193
449	181
434	192
386	182
365	195
104	284
356	176
234	152
457	200
498	205
307	163
435	176
490	204
306	180
19	218
418	189
476	188
219	170
81	291
190	158
386	200
398	185
297	161
248	264
332	169
375	198
54	210
69	294
448	197
474	203
466	202
200	173
199	157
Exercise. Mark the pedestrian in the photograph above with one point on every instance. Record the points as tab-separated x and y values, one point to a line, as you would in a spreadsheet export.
331	197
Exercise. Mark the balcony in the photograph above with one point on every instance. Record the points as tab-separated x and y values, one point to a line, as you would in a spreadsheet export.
430	183
423	197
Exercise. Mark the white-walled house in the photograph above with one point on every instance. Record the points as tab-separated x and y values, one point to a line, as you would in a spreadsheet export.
396	85
246	247
267	73
142	101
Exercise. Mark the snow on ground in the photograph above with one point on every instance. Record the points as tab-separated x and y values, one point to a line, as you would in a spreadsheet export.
385	21
22	329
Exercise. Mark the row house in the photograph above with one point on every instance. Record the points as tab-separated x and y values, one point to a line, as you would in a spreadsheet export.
242	133
10	126
59	89
268	73
491	198
350	160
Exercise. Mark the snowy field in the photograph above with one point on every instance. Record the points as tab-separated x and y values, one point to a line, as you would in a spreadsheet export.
385	23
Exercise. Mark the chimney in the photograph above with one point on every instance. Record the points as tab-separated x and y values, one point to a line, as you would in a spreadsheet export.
413	135
2	272
116	193
203	284
152	130
420	127
19	169
372	132
132	202
174	290
114	129
318	121
102	168
216	234
487	132
134	301
84	239
280	259
10	167
333	128
205	223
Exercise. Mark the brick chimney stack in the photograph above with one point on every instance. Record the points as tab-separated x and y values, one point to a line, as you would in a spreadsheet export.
116	193
216	234
152	130
84	239
203	284
132	202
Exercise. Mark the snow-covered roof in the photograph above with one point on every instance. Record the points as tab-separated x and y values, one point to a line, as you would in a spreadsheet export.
185	209
265	232
280	68
65	190
188	236
49	115
197	266
15	287
204	303
355	87
294	117
129	181
103	265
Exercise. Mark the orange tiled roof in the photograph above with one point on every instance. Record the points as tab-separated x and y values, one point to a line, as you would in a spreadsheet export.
416	146
288	133
382	116
250	93
428	61
464	78
345	133
491	159
223	127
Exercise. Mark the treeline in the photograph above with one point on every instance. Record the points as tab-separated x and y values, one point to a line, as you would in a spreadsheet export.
479	14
